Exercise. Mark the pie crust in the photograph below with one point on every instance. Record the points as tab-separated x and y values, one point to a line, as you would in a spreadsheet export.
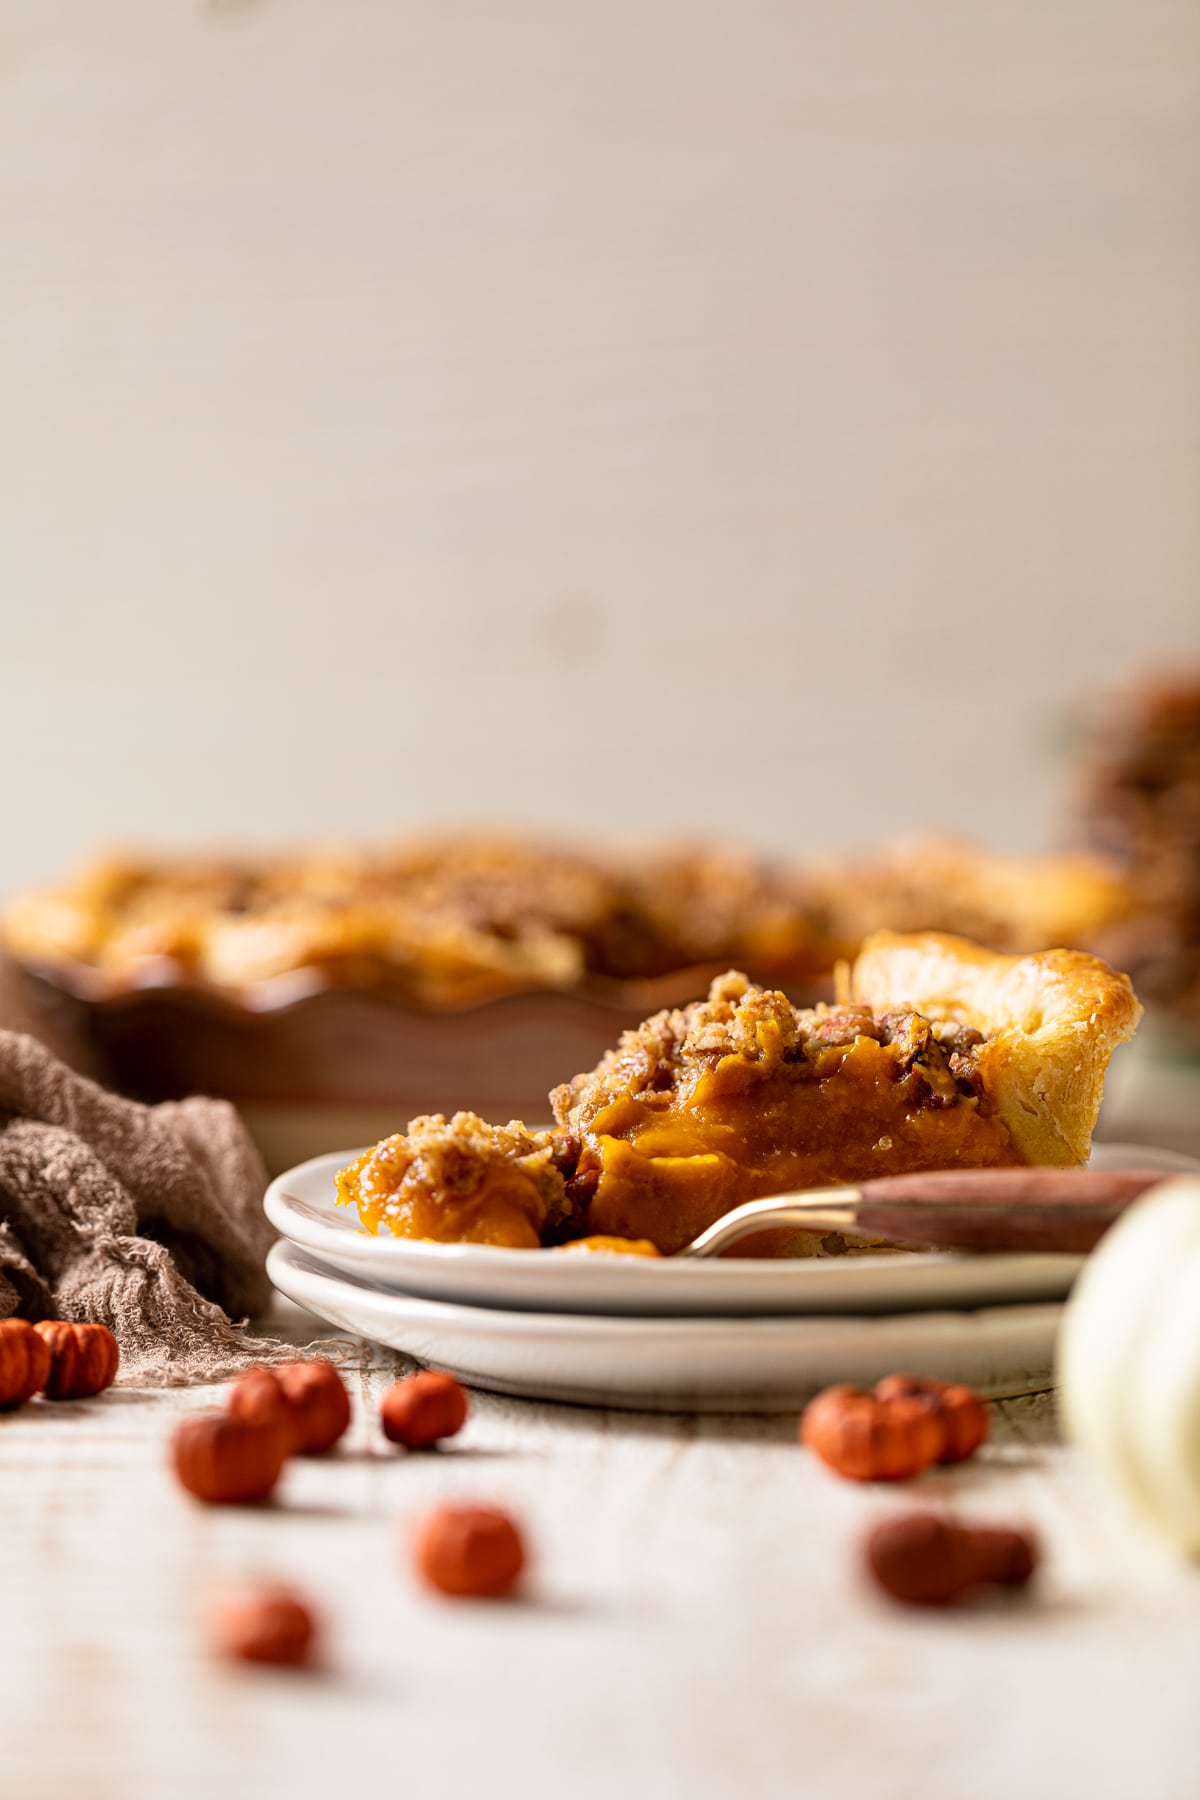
1050	1024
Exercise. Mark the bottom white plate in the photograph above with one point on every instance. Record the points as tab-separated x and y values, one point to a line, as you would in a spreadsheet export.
679	1364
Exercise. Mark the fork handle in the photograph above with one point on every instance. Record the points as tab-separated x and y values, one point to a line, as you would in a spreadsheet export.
1064	1210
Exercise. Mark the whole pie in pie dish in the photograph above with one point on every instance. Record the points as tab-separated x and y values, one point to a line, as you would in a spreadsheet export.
937	1054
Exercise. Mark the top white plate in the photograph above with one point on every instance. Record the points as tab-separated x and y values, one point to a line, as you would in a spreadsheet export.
300	1204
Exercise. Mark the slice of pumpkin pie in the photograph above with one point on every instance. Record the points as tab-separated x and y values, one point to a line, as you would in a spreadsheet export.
938	1055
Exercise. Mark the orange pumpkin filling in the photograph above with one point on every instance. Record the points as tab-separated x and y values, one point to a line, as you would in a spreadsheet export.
744	1095
460	1181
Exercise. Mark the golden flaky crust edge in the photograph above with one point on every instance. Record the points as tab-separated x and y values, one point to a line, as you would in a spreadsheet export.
1051	1021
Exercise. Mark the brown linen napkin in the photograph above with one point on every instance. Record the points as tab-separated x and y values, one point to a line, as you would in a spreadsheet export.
148	1218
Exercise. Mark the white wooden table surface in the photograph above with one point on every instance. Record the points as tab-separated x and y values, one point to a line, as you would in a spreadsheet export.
695	1624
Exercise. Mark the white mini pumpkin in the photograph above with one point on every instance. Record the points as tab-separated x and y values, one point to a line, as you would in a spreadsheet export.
1129	1358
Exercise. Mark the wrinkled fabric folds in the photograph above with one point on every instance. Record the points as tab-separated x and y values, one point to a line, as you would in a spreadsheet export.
147	1218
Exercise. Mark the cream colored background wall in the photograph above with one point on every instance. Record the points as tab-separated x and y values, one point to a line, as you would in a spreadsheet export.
754	416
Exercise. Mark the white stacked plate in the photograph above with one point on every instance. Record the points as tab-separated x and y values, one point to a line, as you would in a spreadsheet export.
729	1335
